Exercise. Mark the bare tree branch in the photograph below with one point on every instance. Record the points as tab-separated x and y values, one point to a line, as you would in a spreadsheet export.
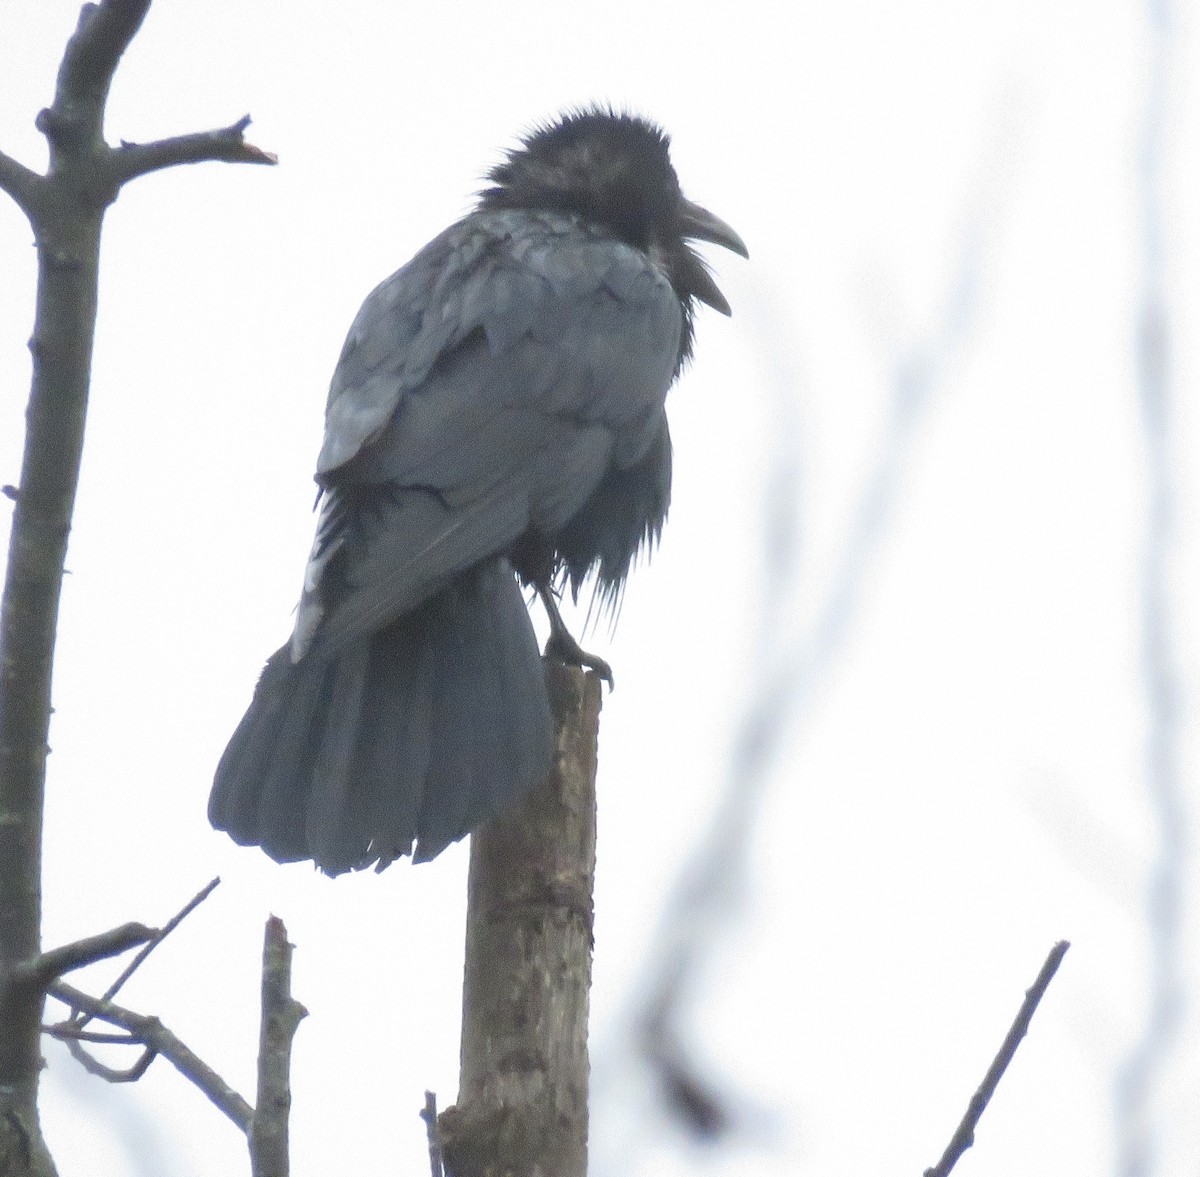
281	1015
66	208
21	183
266	1127
711	883
151	1033
53	964
964	1134
227	144
159	937
74	122
67	1032
523	1076
67	1035
1142	1072
429	1114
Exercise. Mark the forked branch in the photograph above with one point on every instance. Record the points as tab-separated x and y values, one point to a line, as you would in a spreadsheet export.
266	1124
66	208
155	1039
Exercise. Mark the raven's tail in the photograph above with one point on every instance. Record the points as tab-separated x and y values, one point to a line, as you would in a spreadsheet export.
420	732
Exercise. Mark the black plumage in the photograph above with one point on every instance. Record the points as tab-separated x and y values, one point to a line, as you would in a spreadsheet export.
497	409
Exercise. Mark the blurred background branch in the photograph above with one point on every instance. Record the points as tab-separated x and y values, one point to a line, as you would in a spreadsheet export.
1138	1087
713	886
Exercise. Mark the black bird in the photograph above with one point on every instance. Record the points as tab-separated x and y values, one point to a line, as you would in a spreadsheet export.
498	408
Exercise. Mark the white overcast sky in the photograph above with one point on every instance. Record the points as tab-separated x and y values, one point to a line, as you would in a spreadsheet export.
944	205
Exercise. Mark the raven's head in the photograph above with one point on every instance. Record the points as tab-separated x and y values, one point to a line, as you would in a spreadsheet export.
614	170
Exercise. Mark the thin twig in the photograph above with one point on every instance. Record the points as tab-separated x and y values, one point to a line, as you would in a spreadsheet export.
429	1114
281	1014
67	1032
964	1134
94	1066
152	1034
226	144
159	937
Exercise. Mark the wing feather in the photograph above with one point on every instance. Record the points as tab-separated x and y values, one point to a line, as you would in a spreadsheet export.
483	390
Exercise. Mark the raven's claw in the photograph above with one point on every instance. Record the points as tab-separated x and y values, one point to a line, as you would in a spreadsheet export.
564	647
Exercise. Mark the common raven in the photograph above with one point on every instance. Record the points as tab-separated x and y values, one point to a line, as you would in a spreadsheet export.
497	409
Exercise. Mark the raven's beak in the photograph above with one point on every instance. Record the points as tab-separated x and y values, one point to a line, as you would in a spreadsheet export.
701	225
698	224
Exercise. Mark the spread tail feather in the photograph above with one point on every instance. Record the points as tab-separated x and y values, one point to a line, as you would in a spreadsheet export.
415	734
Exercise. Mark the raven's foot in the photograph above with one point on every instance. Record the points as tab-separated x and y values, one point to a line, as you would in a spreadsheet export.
563	646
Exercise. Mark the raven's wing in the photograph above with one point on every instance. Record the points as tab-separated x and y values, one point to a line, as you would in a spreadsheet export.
485	389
